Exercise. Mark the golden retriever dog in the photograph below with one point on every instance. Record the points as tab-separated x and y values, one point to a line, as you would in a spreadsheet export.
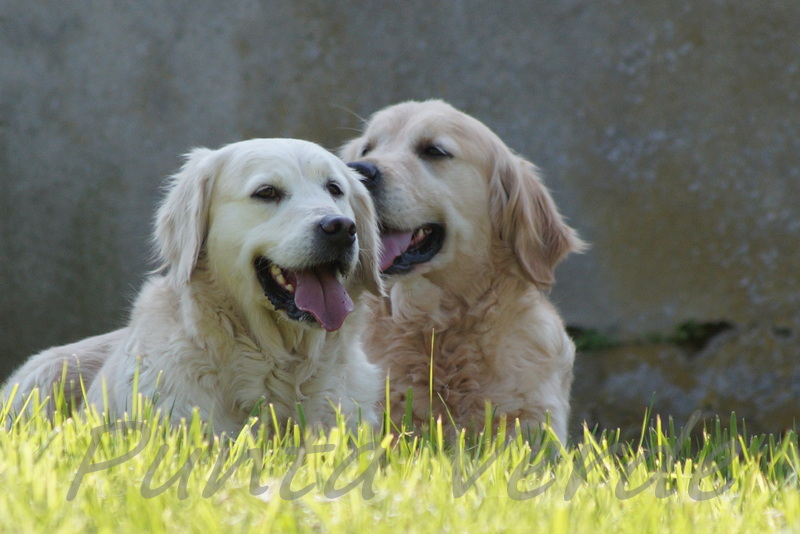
471	237
266	247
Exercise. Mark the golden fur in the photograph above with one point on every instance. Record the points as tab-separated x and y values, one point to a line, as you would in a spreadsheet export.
481	301
204	334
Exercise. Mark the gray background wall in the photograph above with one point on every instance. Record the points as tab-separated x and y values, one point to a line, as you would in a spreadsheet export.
669	132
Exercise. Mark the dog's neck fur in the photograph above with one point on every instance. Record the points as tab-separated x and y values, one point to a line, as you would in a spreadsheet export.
286	355
439	300
463	330
264	328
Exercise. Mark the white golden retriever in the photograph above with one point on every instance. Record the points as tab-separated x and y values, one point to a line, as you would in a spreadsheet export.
470	240
258	303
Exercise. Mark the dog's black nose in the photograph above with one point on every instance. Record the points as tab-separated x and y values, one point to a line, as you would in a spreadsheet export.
338	230
372	175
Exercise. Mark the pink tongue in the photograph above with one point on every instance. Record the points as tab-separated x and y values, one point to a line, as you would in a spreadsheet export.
394	245
320	293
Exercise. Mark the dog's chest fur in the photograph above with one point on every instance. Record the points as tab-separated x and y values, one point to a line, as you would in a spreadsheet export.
494	349
239	372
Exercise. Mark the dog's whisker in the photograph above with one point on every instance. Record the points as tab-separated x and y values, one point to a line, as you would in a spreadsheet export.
350	112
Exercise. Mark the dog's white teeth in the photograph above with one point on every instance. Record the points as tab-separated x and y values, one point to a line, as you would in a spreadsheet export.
280	278
427	230
420	234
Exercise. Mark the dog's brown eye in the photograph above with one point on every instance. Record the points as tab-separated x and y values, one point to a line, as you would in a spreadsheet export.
366	150
334	189
434	152
268	192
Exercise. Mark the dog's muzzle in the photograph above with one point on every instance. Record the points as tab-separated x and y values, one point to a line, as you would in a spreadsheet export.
402	249
371	175
313	292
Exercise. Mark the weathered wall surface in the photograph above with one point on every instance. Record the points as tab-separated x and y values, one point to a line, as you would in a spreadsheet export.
750	371
668	131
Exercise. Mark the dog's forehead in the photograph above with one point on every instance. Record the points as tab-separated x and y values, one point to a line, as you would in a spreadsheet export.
307	167
416	124
412	126
287	162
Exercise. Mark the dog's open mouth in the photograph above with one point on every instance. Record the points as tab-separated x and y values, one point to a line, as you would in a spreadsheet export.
312	294
404	249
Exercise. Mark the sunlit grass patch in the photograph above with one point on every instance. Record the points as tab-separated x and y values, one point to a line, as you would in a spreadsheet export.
85	473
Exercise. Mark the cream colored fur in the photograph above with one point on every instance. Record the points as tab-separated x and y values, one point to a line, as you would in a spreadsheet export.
203	334
482	299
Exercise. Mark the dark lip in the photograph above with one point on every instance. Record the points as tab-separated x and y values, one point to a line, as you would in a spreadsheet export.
280	297
422	253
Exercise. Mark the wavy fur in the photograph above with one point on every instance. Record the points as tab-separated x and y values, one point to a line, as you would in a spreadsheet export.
482	297
202	334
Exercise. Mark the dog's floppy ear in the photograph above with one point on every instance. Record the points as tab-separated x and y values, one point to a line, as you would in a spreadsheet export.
182	218
526	218
367	232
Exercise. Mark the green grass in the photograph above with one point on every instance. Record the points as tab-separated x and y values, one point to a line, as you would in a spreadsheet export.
76	474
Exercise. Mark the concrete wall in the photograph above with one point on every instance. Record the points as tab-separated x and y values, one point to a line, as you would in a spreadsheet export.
669	132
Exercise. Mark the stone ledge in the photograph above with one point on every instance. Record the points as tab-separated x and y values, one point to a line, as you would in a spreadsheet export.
753	371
